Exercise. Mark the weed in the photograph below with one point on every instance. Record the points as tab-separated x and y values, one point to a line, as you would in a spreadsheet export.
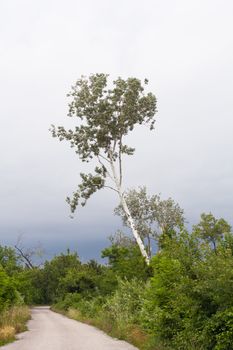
13	321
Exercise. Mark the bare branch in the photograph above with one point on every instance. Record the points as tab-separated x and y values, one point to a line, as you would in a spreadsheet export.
25	257
27	254
107	171
111	188
107	160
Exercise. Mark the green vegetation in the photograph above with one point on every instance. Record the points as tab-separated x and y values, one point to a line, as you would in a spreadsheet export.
183	300
13	320
13	312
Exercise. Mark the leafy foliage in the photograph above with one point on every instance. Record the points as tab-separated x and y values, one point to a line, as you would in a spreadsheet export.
211	229
189	303
9	260
154	218
104	115
125	304
8	291
127	261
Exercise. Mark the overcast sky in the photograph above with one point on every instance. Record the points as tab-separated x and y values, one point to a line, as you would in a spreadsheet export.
184	48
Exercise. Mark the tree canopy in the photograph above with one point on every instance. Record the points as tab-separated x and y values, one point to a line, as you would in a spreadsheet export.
154	218
211	229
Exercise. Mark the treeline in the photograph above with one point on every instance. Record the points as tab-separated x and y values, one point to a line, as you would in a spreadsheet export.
182	300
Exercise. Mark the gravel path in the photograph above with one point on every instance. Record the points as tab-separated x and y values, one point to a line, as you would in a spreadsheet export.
51	331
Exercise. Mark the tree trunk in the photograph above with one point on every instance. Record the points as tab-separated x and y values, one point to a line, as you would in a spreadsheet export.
127	212
134	230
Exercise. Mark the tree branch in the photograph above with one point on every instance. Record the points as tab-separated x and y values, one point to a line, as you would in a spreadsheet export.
101	163
25	257
111	188
114	146
107	160
115	178
120	161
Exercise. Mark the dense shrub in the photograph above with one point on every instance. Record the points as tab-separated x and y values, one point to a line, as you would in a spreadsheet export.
127	261
124	306
188	303
8	292
70	300
218	331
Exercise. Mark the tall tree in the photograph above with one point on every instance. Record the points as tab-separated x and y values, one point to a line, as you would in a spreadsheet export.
105	115
154	218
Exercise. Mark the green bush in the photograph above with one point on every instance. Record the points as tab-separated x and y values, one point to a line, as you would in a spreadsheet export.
8	292
218	331
188	303
70	300
124	306
127	262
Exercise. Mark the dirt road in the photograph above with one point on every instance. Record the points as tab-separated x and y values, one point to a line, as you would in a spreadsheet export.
51	331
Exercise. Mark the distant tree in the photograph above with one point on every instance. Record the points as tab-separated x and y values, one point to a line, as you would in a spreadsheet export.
105	116
211	229
120	239
55	270
154	218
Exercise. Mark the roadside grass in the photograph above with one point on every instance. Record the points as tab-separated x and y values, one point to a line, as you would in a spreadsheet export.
13	321
133	334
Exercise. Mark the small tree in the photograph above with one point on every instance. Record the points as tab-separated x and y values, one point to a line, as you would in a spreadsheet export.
211	229
105	116
154	218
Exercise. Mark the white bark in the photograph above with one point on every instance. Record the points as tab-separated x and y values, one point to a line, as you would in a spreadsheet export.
134	230
127	212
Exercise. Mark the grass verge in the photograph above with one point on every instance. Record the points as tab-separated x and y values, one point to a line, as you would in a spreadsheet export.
133	334
13	321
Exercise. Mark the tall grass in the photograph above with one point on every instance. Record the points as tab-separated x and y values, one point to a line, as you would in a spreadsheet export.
131	333
13	321
118	314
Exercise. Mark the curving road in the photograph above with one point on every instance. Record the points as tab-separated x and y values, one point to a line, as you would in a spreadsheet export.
51	331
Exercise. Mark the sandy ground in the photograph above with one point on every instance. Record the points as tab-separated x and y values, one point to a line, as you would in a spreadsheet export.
50	331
